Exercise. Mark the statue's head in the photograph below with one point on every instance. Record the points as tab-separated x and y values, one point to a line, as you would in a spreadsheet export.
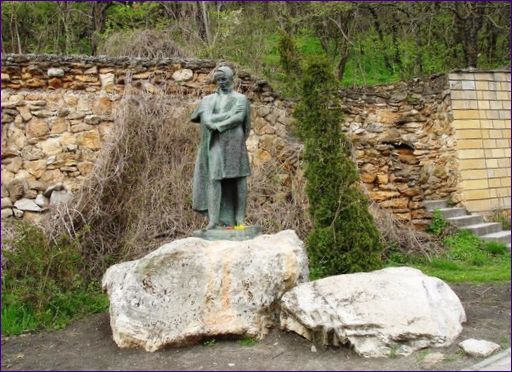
223	76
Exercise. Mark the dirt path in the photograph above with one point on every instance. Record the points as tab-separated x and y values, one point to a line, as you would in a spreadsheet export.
87	344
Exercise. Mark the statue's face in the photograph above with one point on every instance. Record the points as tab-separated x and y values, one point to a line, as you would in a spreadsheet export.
223	82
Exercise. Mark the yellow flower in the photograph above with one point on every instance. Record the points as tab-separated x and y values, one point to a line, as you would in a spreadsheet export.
240	227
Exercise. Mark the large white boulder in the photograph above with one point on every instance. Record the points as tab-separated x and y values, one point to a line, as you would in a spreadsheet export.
192	289
381	313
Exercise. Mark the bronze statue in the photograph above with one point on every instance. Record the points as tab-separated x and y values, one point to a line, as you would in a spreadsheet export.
222	164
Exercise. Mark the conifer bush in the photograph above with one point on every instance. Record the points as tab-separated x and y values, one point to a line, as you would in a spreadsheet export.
344	237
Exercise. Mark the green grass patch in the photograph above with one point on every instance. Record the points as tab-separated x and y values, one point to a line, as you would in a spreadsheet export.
211	342
466	259
43	285
248	341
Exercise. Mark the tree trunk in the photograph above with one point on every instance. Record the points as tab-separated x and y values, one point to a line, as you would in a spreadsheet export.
341	65
64	13
98	18
378	28
469	19
205	22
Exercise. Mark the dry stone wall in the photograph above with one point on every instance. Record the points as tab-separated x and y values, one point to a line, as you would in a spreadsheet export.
445	136
404	143
58	111
481	119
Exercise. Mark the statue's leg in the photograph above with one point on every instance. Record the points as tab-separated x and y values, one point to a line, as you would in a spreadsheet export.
241	199
214	199
227	206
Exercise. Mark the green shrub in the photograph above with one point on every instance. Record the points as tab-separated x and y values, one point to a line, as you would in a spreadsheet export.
43	283
438	223
211	342
344	238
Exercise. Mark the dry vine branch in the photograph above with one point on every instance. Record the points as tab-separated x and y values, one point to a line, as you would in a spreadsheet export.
403	236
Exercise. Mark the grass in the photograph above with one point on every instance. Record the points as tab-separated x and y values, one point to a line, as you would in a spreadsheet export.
248	341
43	283
504	342
466	259
211	342
19	317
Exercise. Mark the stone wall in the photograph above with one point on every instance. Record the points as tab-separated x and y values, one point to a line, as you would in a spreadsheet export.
58	111
481	113
404	143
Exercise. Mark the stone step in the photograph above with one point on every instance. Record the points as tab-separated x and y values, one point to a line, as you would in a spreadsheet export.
452	212
470	219
430	205
500	236
483	228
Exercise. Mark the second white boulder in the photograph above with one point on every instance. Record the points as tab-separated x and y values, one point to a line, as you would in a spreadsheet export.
384	312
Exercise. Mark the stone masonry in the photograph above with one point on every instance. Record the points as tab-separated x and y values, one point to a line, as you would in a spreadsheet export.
442	137
404	144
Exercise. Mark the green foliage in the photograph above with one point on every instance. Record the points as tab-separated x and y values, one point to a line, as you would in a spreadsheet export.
248	341
495	248
344	238
45	27
138	15
288	55
211	342
438	223
43	284
466	247
466	259
367	65
240	36
364	43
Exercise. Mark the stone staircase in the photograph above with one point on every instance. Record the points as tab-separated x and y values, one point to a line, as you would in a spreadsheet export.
459	217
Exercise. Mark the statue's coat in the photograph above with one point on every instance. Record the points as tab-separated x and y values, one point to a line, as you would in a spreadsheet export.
222	153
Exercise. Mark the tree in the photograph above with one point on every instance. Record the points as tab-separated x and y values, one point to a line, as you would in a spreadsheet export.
288	55
344	237
334	24
98	15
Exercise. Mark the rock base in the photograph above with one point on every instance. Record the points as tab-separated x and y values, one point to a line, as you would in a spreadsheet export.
192	289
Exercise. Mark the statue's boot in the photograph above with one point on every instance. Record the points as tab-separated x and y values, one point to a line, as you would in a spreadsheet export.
211	225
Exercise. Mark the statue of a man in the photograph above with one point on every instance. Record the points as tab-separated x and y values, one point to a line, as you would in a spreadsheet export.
222	164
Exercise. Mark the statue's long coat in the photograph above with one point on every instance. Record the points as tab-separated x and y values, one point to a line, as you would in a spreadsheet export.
222	153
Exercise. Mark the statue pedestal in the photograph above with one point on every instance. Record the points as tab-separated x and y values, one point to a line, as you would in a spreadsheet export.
222	233
192	289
